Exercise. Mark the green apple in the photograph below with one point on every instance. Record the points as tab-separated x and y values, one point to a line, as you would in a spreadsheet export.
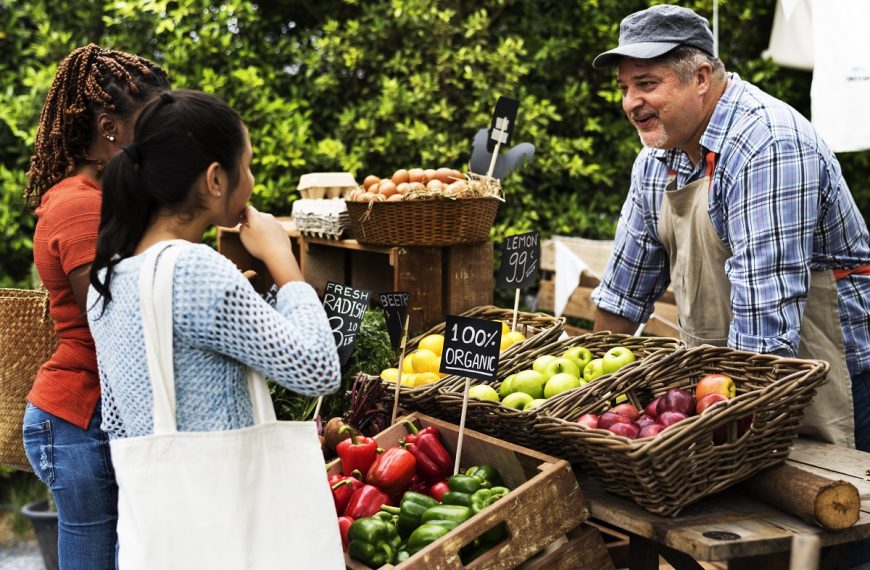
517	400
616	358
534	403
594	369
483	392
580	355
541	362
561	382
560	365
531	382
507	386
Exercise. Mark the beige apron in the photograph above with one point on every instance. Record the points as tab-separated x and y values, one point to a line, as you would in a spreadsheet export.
703	297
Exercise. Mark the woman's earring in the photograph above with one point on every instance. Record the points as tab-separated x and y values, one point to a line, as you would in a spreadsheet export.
110	138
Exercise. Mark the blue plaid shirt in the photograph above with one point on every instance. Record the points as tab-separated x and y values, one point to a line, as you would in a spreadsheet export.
778	200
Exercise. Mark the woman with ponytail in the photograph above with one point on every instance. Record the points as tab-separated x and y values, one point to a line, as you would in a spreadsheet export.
189	168
87	117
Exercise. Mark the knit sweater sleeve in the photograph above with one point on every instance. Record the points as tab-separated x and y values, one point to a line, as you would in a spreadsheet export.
215	308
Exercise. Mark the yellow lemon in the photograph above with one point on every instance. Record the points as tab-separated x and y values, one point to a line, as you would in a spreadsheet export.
426	378
505	343
505	328
390	374
433	342
408	363
516	336
426	361
409	379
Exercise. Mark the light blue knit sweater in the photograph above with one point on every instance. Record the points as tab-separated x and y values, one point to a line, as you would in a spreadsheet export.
220	325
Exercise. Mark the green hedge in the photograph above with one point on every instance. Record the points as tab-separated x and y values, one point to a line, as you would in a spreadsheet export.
369	86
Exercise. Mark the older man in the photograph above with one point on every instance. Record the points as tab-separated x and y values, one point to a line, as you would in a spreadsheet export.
739	205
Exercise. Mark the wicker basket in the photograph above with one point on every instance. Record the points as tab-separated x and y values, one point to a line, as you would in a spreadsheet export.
423	222
539	328
516	426
664	474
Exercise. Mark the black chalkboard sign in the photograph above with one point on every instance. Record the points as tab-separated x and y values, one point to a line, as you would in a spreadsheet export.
395	306
471	347
520	258
345	307
503	119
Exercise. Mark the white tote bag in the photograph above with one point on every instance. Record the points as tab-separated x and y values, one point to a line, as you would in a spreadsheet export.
254	498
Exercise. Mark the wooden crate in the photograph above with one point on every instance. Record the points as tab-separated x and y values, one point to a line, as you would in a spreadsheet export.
545	501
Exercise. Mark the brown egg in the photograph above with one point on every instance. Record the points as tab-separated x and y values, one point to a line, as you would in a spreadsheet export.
366	197
415	175
370	179
378	198
400	176
434	184
428	174
403	187
395	198
443	174
387	188
456	175
354	194
455	188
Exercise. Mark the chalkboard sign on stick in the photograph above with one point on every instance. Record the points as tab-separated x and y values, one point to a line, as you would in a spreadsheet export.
345	306
395	306
520	258
471	347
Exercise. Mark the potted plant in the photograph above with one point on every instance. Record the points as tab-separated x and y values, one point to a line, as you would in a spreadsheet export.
44	520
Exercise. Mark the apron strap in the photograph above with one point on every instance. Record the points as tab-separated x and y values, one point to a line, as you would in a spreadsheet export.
860	270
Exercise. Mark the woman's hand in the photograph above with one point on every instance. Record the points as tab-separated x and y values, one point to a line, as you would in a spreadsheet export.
266	239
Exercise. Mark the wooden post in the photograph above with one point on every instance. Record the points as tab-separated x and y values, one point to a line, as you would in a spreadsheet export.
516	310
461	426
399	374
804	552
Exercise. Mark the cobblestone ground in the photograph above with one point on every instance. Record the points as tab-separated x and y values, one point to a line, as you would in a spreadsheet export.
20	555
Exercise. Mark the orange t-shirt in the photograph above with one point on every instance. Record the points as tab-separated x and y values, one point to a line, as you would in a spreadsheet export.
68	385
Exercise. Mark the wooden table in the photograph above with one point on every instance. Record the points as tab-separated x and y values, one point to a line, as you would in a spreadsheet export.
732	526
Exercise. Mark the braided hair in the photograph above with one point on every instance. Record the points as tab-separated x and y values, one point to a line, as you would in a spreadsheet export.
90	80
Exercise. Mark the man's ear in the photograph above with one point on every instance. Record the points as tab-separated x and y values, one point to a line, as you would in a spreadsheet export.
214	179
704	76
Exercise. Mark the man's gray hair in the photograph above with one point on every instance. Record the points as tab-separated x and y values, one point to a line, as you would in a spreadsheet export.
685	61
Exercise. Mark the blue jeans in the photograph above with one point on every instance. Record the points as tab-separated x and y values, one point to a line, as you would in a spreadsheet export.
858	553
76	465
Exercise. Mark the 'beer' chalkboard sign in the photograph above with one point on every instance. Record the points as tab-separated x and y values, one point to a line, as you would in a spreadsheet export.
520	258
395	306
471	347
345	306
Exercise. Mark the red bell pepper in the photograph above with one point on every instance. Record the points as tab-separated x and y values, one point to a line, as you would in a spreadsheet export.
344	526
414	433
418	485
366	501
392	471
358	452
433	461
438	489
343	488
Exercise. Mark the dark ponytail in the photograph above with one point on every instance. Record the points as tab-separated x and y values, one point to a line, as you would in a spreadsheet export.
176	137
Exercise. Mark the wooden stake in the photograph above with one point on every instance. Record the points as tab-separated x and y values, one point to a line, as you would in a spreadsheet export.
804	552
461	426
815	499
317	407
494	158
516	310
399	375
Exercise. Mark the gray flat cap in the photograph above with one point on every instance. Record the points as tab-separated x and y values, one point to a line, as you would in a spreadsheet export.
656	31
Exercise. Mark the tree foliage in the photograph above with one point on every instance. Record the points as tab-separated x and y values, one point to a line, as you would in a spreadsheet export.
369	86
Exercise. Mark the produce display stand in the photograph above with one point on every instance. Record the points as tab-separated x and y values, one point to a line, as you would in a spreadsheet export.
733	527
544	504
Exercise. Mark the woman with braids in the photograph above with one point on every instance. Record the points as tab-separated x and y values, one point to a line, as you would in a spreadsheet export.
88	116
187	169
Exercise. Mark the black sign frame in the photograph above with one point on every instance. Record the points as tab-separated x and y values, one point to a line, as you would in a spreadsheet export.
471	347
345	307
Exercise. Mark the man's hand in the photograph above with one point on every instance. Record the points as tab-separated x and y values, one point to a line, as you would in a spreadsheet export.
606	321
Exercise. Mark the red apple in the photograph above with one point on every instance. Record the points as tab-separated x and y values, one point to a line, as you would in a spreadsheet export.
644	420
669	417
608	419
715	384
709	400
588	420
650	430
676	400
629	430
626	410
650	408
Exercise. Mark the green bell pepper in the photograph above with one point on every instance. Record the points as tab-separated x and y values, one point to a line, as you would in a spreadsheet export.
485	497
424	535
449	516
461	489
487	473
456	498
412	508
373	540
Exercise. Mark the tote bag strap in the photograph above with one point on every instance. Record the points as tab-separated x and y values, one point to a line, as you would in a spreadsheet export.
156	305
